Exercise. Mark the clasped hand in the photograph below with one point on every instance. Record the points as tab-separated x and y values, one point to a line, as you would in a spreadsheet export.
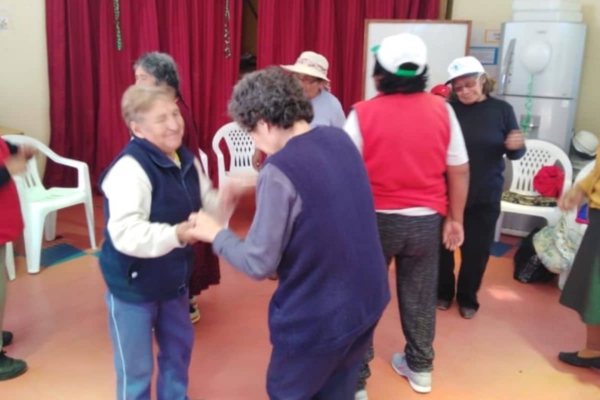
200	226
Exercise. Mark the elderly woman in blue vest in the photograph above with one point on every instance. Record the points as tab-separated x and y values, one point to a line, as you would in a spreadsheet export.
315	225
160	69
491	131
146	260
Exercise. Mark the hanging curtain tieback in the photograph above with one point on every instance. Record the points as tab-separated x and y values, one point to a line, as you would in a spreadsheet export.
226	29
118	24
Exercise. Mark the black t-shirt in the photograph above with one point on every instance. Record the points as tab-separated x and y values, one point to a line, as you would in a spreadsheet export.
485	126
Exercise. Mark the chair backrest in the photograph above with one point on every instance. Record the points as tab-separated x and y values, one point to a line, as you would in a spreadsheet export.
540	153
585	171
30	180
240	145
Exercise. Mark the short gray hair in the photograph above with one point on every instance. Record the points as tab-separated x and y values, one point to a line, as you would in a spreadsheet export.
139	99
270	95
161	66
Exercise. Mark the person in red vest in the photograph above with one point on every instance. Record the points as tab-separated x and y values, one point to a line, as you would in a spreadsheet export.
413	148
160	69
13	161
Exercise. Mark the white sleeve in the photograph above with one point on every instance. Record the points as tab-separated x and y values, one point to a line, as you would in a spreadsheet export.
210	196
352	128
129	194
457	150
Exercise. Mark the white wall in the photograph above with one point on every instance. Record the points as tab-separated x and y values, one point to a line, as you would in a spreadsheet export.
24	92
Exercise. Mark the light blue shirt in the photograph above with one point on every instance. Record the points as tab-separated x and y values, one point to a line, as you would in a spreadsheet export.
328	111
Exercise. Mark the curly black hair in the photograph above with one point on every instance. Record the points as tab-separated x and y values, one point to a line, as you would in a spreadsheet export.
270	95
161	66
391	84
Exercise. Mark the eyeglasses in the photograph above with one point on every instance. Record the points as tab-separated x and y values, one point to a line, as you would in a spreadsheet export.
468	85
306	79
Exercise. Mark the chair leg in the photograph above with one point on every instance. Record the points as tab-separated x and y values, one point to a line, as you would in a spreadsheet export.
89	215
498	227
50	226
10	261
33	243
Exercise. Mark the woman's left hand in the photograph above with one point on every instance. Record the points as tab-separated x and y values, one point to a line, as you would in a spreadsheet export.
453	234
204	227
515	140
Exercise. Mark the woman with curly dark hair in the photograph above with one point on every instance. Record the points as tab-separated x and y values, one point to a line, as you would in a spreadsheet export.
315	225
160	69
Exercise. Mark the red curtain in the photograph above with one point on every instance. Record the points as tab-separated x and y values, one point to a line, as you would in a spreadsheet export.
88	74
334	28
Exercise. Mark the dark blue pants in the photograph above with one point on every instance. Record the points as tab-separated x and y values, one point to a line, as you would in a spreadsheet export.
131	327
326	376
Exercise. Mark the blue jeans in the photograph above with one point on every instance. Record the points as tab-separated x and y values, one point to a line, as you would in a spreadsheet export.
131	327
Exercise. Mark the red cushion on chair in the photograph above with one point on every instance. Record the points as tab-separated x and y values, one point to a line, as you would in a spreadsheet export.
549	181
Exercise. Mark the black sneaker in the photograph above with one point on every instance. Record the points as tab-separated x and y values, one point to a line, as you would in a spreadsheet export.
10	368
443	304
7	338
575	360
468	313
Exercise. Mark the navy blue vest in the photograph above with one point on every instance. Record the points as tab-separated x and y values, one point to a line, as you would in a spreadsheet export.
175	194
333	282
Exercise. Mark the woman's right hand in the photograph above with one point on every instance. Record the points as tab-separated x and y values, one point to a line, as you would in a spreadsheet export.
572	199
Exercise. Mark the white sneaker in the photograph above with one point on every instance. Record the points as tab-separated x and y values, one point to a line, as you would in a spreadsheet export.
419	381
361	395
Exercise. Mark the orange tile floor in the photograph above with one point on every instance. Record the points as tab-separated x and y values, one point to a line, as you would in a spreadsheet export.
507	352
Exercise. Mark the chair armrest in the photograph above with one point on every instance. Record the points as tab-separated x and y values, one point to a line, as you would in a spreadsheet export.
83	174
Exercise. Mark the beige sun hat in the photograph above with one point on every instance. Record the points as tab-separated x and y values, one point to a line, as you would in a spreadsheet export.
310	63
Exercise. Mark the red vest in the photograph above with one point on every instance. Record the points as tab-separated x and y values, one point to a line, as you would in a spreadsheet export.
405	147
11	220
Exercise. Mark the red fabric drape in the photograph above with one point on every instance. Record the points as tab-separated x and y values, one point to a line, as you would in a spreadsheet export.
334	28
88	74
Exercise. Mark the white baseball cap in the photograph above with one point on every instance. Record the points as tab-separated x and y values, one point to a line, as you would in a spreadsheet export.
310	63
395	51
464	66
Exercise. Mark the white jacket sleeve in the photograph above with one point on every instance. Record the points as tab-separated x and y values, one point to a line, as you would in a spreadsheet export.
129	194
210	195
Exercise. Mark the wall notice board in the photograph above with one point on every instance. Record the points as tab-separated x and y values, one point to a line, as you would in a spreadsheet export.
445	40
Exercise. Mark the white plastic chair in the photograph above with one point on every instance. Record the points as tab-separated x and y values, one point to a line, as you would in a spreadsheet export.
40	205
241	149
539	154
204	161
585	171
10	262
